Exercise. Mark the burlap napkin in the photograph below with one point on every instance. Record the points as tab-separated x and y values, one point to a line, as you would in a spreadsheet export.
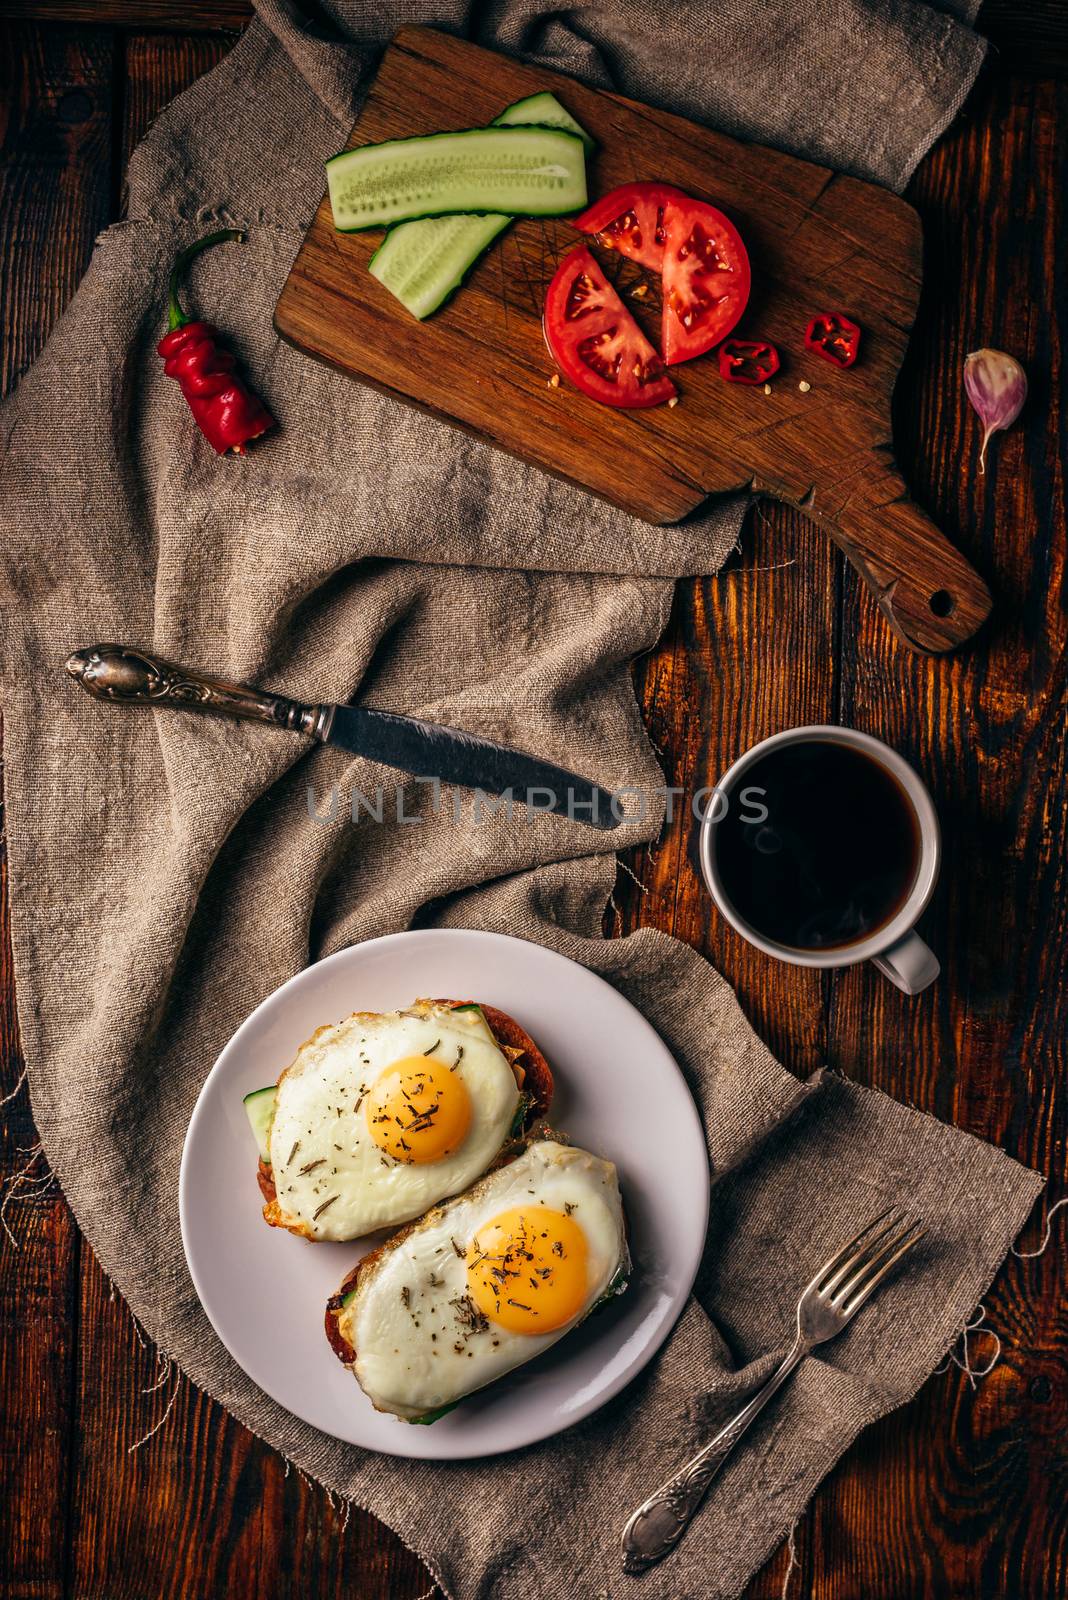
166	875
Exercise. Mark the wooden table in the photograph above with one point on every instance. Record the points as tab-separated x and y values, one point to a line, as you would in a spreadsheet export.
963	1492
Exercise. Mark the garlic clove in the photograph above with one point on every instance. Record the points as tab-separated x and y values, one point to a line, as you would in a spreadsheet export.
996	385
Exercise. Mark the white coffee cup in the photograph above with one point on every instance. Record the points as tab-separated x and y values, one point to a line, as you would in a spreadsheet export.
895	947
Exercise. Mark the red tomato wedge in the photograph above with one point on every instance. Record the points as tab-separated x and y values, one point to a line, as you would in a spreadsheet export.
631	220
705	280
595	340
696	249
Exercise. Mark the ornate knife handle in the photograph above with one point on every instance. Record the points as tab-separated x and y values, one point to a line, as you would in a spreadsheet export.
124	676
660	1522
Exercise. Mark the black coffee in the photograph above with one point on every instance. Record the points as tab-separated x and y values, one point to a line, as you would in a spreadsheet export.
836	855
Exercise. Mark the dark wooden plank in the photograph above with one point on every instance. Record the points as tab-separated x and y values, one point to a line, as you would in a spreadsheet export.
814	437
1029	37
187	16
986	1047
745	654
55	86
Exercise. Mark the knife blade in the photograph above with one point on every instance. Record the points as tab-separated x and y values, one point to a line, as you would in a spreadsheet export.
124	675
433	750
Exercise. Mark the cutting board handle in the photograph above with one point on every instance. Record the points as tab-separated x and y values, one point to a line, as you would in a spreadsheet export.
931	597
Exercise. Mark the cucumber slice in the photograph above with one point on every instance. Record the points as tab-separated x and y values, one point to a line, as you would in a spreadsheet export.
617	1286
520	1116
429	1417
544	111
474	1017
422	263
532	172
259	1107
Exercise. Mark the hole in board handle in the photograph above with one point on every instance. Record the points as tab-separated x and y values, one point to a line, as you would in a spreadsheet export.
941	602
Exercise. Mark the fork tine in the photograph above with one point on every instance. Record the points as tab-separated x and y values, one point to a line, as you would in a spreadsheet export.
873	1258
856	1294
846	1253
862	1248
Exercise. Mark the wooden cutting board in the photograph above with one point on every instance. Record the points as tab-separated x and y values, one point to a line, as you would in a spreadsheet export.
817	241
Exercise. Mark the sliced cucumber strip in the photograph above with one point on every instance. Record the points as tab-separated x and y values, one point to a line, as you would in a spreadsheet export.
520	1116
259	1107
532	172
474	1017
544	111
429	1417
423	263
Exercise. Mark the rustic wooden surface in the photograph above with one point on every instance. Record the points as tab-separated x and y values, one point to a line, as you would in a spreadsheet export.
960	1494
815	437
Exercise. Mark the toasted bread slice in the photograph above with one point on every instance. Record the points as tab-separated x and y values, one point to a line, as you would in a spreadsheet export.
338	1343
338	1302
532	1073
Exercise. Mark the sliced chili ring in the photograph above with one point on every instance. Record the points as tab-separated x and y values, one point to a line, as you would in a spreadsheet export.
835	337
747	361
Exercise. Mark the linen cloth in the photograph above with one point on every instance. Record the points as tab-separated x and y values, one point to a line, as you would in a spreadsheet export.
166	874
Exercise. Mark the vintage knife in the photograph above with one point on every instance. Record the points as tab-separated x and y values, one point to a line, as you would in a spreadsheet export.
130	677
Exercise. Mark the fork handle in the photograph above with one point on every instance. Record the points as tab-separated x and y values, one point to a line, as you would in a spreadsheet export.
659	1523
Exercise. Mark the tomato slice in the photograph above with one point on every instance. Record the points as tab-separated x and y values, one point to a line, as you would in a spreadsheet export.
696	249
595	340
705	279
631	220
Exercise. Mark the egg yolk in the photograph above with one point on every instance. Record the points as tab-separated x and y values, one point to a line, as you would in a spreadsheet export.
418	1110
527	1269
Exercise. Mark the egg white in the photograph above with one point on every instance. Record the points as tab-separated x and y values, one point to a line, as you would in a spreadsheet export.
415	1351
332	1181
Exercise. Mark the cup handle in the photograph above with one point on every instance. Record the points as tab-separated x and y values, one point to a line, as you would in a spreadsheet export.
909	964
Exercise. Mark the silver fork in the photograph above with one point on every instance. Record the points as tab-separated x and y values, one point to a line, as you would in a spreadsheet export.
828	1305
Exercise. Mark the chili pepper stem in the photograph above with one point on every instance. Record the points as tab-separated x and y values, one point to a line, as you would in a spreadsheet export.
176	317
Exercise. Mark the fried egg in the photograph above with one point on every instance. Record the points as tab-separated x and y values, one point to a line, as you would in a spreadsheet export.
486	1281
383	1115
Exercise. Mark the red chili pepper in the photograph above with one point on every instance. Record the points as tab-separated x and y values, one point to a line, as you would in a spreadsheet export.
224	408
741	361
834	337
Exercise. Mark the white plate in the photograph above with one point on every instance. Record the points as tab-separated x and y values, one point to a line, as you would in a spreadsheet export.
618	1093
